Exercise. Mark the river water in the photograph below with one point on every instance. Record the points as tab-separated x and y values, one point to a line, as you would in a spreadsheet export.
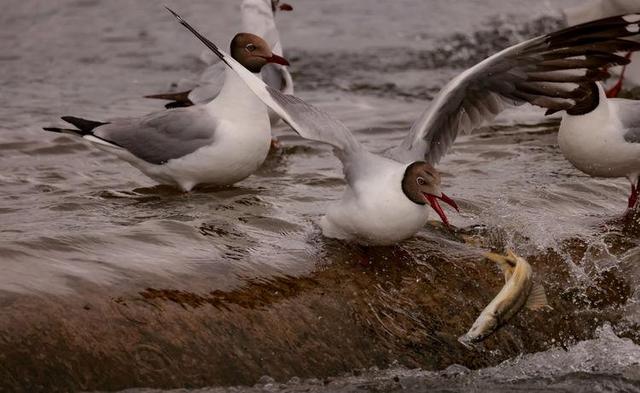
110	282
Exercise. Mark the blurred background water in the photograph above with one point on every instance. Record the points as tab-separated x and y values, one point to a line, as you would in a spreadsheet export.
109	282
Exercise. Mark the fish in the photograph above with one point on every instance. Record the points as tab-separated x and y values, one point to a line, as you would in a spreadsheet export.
519	291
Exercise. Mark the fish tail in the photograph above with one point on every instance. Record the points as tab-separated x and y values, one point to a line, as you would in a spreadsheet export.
537	298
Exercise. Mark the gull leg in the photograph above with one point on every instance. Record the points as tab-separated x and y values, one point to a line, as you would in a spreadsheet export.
633	198
615	90
363	258
275	143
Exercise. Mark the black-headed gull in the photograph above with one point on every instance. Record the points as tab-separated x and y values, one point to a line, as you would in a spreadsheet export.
219	143
258	17
385	198
605	142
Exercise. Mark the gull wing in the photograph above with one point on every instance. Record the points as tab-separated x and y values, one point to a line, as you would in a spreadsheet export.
556	71
161	136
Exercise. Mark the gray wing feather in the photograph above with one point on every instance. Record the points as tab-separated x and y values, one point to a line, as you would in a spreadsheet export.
162	136
312	123
555	71
212	80
209	84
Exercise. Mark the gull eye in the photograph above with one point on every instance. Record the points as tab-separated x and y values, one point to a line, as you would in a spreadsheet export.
250	47
421	181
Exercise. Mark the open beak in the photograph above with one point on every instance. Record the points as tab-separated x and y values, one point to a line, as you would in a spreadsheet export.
277	59
285	7
435	205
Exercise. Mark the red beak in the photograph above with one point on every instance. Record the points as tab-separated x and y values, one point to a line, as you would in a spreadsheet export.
433	201
277	59
285	7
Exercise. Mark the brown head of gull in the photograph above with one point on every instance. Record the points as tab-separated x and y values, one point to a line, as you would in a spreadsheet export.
421	184
253	52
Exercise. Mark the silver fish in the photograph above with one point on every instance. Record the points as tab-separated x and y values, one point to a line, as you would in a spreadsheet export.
518	291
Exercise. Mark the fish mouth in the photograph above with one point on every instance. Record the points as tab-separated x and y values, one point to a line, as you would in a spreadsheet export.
468	342
435	205
276	59
285	7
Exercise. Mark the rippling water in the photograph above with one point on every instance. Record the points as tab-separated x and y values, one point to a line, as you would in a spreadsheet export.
110	282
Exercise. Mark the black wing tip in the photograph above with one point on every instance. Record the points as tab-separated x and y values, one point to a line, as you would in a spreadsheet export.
182	96
204	40
85	126
52	129
178	17
597	30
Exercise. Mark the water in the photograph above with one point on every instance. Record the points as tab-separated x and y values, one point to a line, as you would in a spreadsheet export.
110	282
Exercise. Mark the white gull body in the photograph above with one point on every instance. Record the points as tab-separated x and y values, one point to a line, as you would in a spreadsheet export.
373	208
549	71
606	141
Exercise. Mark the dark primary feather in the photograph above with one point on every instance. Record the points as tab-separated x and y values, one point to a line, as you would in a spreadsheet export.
204	40
556	71
178	100
84	125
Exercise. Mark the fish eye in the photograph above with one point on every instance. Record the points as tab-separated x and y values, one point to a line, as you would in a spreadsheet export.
250	47
421	181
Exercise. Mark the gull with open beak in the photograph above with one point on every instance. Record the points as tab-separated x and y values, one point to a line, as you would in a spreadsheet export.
384	201
218	143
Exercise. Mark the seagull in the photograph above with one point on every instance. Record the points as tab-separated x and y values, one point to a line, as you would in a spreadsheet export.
218	143
605	142
258	17
386	197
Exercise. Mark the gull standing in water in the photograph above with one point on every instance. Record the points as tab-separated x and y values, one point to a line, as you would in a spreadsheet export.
219	143
258	17
386	196
605	142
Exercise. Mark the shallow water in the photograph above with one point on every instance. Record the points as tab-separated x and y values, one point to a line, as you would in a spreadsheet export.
111	282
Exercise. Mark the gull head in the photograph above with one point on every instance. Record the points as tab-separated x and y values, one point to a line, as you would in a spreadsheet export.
421	184
253	52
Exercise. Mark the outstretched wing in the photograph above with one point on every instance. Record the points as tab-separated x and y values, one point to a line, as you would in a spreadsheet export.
555	71
308	121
